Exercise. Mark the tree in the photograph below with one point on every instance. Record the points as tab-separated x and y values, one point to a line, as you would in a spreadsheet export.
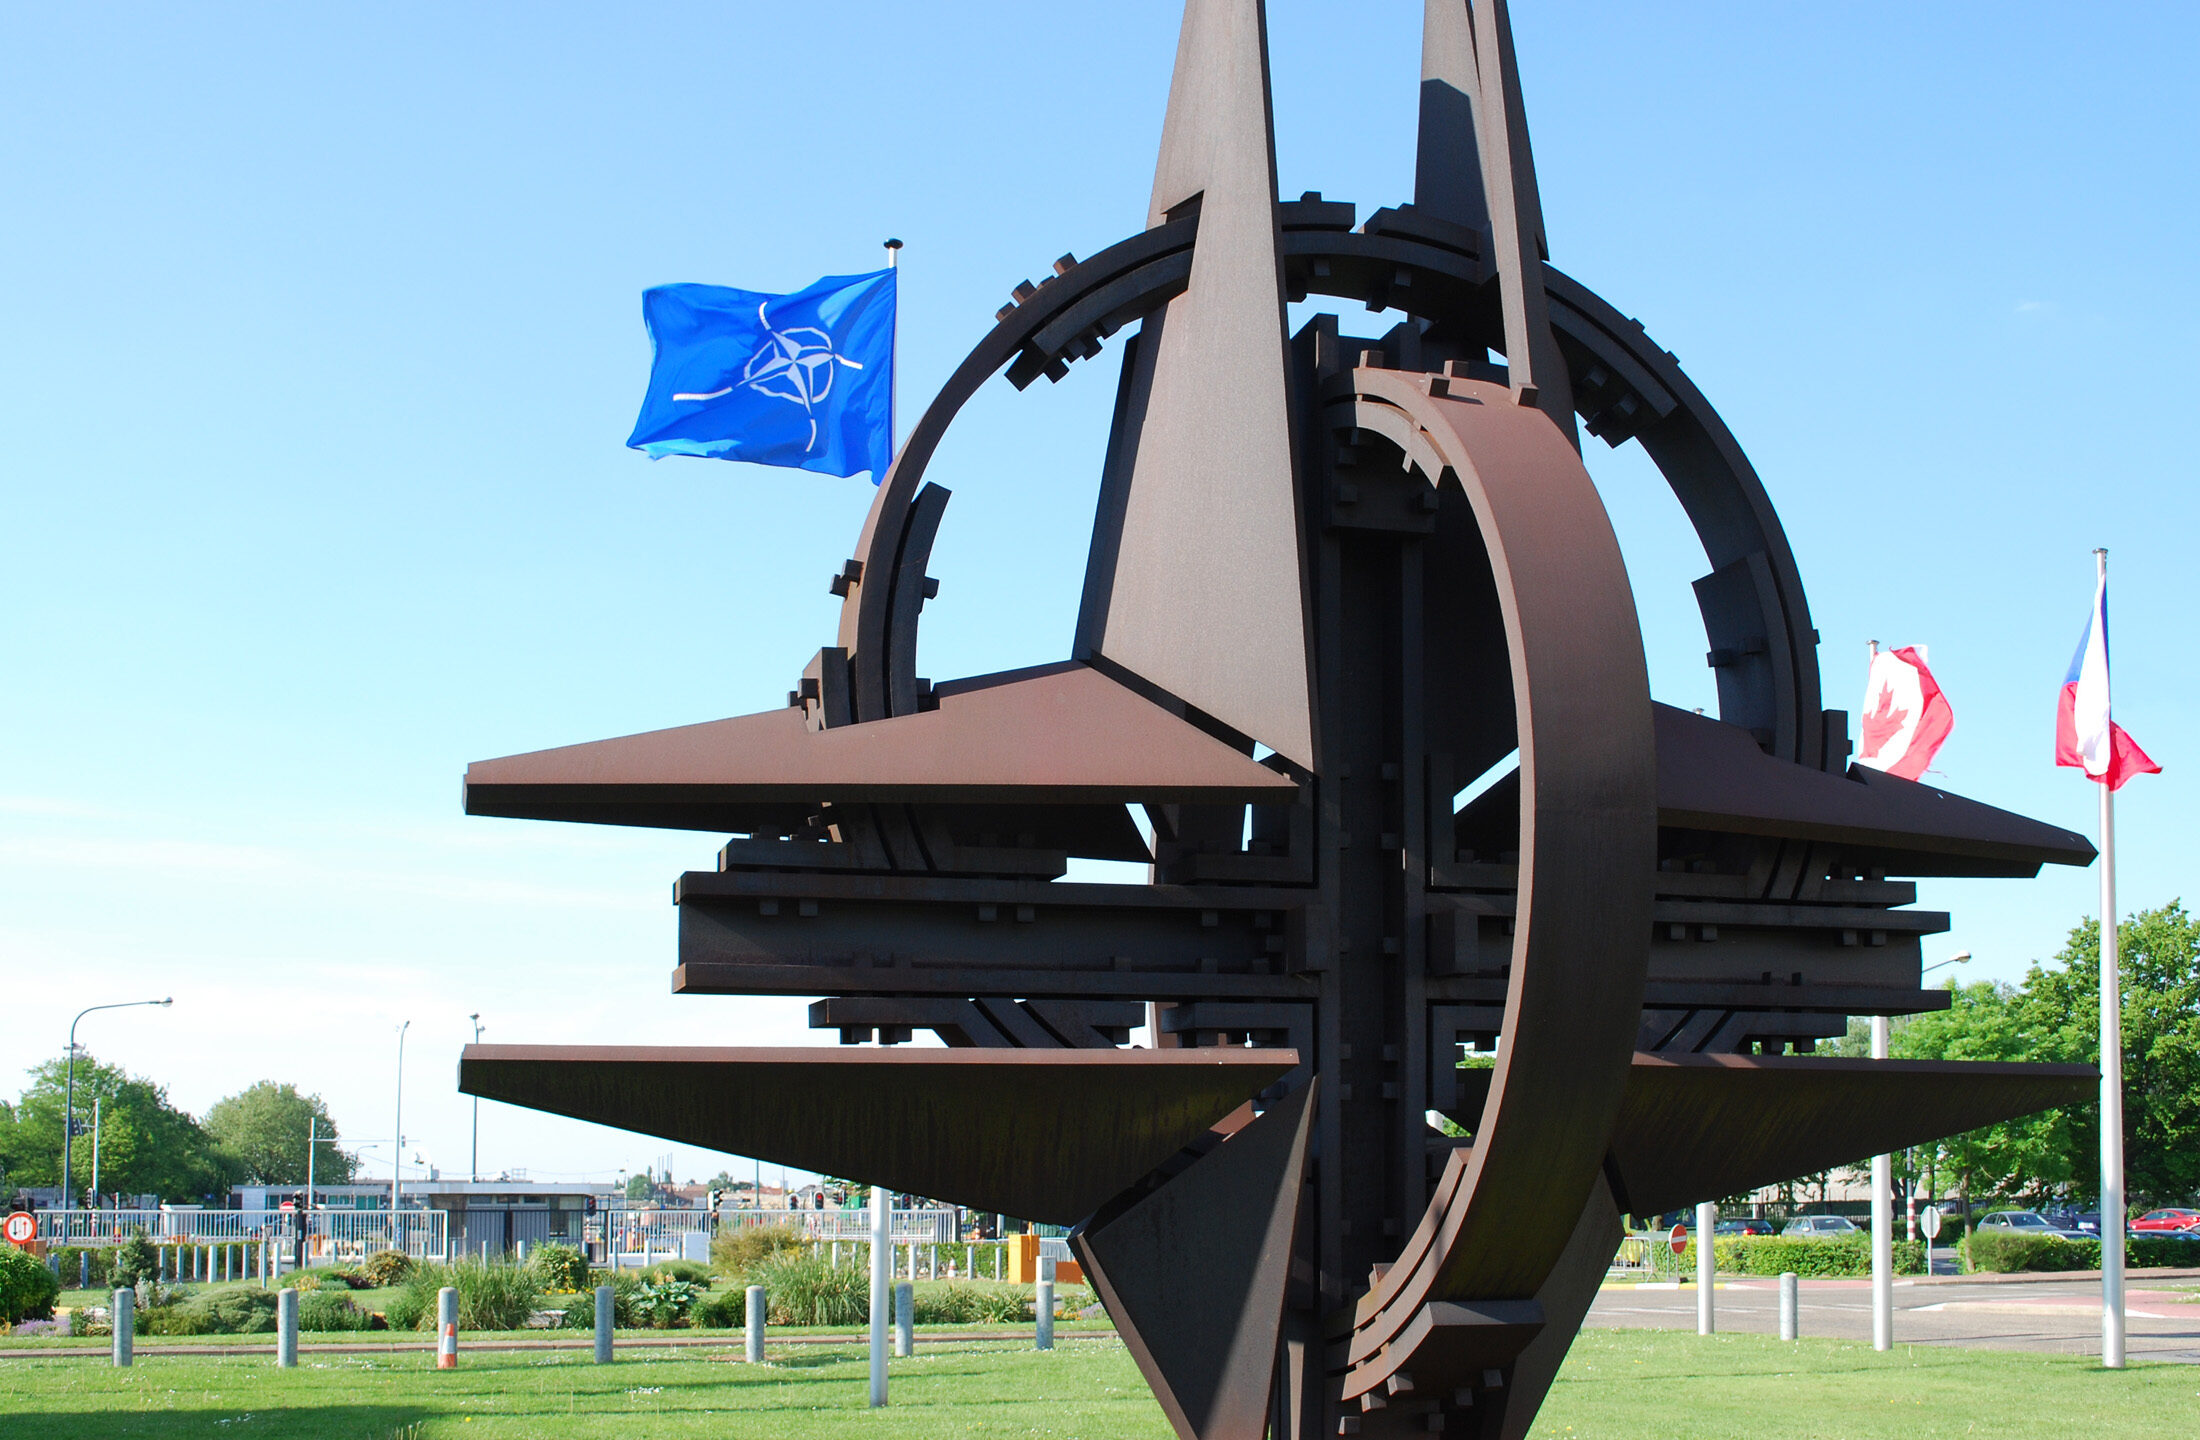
2158	958
264	1129
640	1187
146	1145
2029	1157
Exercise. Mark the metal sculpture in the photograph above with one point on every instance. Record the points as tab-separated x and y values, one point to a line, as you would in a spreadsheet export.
1334	584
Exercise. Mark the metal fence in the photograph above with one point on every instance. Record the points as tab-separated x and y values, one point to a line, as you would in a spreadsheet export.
939	1226
331	1235
1635	1255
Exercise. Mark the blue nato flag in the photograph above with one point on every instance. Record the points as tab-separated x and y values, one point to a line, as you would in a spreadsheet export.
803	380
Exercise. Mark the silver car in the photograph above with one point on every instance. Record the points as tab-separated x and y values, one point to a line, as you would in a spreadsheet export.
2028	1222
1821	1227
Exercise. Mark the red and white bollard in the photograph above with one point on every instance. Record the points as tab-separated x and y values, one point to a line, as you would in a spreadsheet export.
446	1329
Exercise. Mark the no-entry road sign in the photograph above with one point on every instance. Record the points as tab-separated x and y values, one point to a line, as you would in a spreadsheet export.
1679	1239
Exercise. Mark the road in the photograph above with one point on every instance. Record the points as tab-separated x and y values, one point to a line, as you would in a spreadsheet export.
2058	1315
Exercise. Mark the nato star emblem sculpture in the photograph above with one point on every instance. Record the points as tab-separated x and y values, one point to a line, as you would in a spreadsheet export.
1378	565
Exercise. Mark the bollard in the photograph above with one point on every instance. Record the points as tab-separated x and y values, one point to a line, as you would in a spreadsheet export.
605	1318
1790	1321
905	1314
286	1329
83	1269
753	1325
1043	1314
125	1318
446	1328
1707	1224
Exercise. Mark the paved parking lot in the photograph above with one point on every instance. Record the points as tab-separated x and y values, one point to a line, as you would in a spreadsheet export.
2060	1314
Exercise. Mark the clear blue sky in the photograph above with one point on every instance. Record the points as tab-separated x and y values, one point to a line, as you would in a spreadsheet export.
322	335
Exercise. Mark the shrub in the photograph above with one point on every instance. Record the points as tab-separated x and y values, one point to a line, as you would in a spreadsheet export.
807	1290
1005	1305
726	1309
226	1312
1776	1255
385	1268
692	1271
490	1297
735	1253
27	1288
662	1304
561	1267
579	1309
330	1310
134	1258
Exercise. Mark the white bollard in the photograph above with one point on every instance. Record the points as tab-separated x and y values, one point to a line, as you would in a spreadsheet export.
1707	1223
1043	1315
606	1317
125	1318
1790	1305
753	1333
286	1329
446	1329
905	1314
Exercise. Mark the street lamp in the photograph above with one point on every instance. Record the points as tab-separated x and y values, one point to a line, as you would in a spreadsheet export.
68	1118
397	1150
1961	957
473	1167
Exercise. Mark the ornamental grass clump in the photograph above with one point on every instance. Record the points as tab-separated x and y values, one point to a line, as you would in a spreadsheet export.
735	1253
490	1297
805	1289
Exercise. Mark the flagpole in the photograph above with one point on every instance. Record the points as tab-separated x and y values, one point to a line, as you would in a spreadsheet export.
2112	1067
893	364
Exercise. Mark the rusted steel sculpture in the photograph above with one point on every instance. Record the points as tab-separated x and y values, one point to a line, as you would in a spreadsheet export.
1334	583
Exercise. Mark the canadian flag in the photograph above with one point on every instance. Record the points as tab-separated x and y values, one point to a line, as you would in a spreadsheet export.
1906	718
2085	736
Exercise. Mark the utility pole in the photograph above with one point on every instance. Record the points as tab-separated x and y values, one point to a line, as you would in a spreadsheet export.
473	1164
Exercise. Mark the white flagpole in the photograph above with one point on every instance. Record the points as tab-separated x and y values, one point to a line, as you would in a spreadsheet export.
2112	1070
1882	1182
893	364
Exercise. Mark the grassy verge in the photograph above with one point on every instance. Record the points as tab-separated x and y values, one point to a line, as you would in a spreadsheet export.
1618	1385
1090	1391
1660	1385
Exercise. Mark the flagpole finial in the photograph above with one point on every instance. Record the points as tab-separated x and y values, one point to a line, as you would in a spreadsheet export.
893	253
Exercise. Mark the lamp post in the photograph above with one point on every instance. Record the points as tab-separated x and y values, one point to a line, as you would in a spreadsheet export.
397	1150
473	1164
1961	957
68	1118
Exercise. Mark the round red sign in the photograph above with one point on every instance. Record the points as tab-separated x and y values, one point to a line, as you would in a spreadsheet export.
22	1228
1679	1239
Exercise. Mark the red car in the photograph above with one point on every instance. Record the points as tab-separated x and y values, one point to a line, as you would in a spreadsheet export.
2159	1220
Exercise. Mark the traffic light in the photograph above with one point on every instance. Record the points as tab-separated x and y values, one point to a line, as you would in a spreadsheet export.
715	1196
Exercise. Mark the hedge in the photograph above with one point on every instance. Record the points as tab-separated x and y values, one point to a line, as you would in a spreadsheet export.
1777	1255
2004	1254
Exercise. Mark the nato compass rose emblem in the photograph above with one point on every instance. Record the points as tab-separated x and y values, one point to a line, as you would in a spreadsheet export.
794	364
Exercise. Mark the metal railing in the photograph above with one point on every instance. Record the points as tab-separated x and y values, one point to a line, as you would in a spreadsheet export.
939	1226
331	1235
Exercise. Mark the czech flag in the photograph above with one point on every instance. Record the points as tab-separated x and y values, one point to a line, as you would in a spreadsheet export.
2085	736
1906	719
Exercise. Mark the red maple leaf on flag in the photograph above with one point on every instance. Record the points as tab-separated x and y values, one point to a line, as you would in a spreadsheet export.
1883	724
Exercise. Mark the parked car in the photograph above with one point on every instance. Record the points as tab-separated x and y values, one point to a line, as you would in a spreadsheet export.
1742	1227
2088	1221
1822	1227
2156	1222
2027	1222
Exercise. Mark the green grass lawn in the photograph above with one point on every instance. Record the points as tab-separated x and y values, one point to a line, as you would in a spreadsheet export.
1618	1385
1666	1385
